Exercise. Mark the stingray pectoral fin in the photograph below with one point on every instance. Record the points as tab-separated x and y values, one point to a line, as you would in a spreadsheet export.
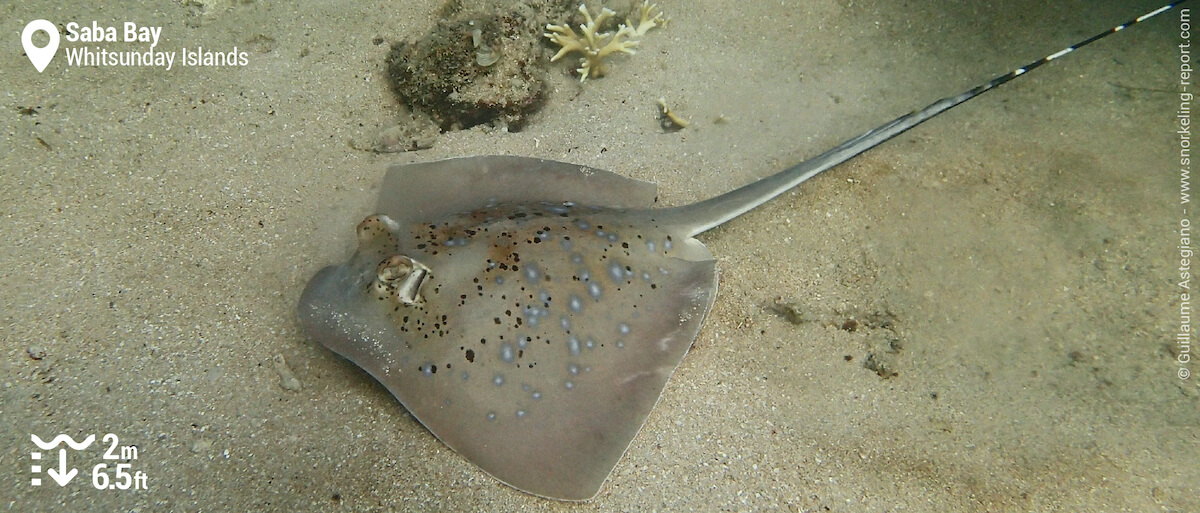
556	420
431	190
335	310
561	419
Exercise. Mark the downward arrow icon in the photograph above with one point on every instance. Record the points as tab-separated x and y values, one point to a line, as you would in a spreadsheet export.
61	476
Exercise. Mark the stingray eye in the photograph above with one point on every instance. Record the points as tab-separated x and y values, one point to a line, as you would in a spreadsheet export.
399	278
376	228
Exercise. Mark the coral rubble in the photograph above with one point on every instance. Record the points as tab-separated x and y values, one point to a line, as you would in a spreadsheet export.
480	64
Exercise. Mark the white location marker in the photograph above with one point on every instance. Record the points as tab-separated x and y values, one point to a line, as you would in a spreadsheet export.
40	57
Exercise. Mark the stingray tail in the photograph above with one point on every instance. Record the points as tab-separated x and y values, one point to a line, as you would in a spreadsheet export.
700	217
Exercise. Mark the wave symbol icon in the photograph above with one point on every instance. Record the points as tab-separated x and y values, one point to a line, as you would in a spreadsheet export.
78	446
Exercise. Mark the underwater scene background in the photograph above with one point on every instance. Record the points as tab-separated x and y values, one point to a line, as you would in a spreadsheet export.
982	314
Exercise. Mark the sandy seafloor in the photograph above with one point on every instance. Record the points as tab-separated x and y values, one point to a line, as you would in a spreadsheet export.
1023	247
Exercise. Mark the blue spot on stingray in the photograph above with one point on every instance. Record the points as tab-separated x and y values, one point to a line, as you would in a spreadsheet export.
532	313
616	272
532	273
498	380
594	290
575	304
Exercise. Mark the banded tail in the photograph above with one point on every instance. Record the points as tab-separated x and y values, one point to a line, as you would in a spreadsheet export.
702	216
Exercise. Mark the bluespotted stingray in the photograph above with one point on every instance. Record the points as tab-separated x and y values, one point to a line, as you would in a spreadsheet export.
528	312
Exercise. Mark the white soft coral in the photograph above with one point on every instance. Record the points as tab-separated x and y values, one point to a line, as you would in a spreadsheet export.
594	45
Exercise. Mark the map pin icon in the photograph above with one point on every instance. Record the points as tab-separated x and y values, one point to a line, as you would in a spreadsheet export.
40	57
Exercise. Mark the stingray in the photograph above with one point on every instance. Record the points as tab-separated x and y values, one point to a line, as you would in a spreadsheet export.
529	312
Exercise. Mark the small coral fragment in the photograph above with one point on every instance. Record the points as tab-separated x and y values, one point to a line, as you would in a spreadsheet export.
594	45
671	121
287	379
648	18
